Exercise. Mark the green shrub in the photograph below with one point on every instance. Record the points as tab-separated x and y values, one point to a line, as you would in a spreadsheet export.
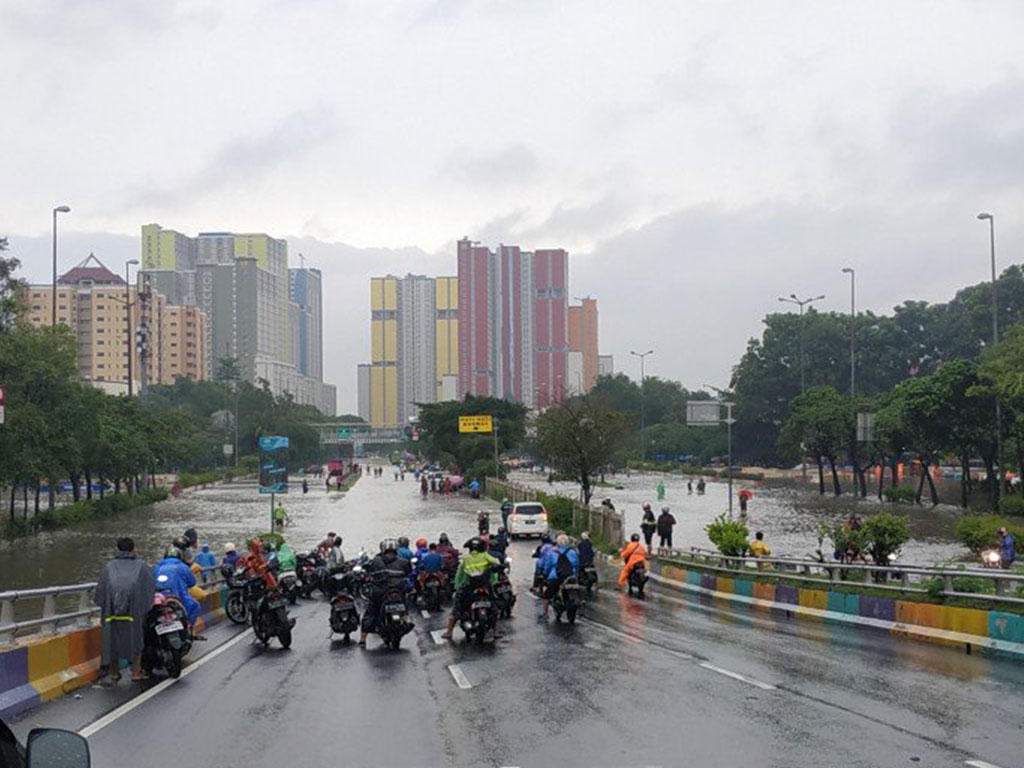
900	495
973	584
730	536
1012	505
559	511
886	534
844	540
979	532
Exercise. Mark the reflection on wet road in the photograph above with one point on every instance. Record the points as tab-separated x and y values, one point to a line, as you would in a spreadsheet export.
673	680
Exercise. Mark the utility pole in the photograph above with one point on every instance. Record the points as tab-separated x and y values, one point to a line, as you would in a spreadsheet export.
643	415
792	299
995	340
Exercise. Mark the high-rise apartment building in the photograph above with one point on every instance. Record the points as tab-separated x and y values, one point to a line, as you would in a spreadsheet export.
583	338
512	316
252	302
91	301
605	365
413	346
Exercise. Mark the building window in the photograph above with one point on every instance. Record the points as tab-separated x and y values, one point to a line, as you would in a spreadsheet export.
36	307
100	365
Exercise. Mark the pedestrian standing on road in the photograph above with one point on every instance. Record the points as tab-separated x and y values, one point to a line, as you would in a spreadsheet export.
124	594
689	487
1007	548
648	525
506	510
665	524
701	485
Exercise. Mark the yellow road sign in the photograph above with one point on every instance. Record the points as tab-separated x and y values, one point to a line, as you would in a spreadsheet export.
475	424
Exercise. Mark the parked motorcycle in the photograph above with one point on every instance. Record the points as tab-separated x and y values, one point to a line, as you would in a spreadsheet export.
567	600
344	617
638	579
289	583
588	577
481	616
236	607
307	572
270	613
167	633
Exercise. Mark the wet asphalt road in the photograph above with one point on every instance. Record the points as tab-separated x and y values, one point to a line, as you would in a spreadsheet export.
670	681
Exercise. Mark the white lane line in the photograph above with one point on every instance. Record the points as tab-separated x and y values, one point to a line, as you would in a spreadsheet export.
980	764
737	676
142	698
609	630
460	677
425	612
438	640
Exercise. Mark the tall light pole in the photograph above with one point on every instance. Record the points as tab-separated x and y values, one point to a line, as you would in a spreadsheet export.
643	415
995	340
58	209
792	299
128	309
853	328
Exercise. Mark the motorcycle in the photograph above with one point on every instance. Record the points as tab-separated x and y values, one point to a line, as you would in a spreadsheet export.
481	616
167	633
289	583
588	577
270	613
344	617
567	600
638	579
307	572
393	618
433	590
236	607
991	558
504	595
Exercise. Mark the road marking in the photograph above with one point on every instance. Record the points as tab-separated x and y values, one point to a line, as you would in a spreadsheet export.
142	698
425	612
438	640
460	677
737	676
609	630
980	764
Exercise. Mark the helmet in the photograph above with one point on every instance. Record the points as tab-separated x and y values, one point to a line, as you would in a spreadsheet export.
173	551
229	547
545	539
562	540
585	535
180	543
388	545
421	543
505	500
476	544
403	541
443	539
647	506
635	537
337	541
501	530
664	509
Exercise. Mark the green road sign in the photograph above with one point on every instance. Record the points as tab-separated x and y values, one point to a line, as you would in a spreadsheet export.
344	433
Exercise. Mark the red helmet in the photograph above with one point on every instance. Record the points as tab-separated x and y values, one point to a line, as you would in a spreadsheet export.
421	543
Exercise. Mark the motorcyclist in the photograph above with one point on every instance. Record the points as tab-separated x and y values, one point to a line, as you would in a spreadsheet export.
540	553
403	548
179	580
326	543
335	557
586	550
561	562
506	510
448	553
499	543
421	549
631	554
286	557
230	556
483	521
431	562
474	566
388	571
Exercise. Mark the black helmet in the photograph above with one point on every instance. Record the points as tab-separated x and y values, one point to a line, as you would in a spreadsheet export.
476	544
388	545
443	539
403	541
635	537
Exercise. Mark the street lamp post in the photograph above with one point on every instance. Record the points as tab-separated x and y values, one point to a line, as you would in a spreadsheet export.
853	371
643	415
995	340
792	299
128	309
58	209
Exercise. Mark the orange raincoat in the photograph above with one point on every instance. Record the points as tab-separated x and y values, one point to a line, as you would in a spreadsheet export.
632	554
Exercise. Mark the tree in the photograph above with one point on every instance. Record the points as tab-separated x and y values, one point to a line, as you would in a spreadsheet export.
11	289
915	411
579	436
441	441
820	422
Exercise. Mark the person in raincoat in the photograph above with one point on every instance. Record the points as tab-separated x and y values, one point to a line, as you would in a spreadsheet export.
206	561
648	524
179	580
124	594
631	554
286	557
661	490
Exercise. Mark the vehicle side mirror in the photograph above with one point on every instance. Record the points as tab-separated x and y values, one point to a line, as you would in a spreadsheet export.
56	748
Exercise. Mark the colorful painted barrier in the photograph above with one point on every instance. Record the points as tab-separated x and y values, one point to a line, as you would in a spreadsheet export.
990	631
40	668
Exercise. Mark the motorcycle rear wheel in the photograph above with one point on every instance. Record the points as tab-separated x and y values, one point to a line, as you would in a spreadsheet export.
172	663
570	614
236	609
285	636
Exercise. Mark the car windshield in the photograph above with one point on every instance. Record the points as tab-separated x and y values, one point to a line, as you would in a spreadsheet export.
529	509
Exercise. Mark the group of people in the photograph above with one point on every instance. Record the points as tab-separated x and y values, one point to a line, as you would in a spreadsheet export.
558	560
662	524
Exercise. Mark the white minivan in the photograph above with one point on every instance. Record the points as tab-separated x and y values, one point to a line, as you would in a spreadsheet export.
527	518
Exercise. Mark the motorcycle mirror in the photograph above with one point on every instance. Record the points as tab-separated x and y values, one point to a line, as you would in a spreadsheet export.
11	752
56	748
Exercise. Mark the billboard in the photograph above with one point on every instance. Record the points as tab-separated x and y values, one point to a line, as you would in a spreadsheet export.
475	424
703	413
273	465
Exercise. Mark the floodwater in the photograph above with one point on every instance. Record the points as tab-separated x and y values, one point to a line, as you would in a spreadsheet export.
789	517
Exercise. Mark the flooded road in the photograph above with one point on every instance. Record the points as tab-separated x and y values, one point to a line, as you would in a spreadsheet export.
789	517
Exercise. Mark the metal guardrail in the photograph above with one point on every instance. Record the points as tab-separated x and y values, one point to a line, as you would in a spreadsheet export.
902	578
79	614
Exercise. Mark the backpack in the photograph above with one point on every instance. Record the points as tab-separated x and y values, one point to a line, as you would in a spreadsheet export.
563	567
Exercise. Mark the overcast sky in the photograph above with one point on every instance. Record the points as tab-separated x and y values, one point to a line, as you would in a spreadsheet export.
698	159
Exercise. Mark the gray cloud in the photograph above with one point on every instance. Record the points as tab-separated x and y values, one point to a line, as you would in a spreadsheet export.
511	164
